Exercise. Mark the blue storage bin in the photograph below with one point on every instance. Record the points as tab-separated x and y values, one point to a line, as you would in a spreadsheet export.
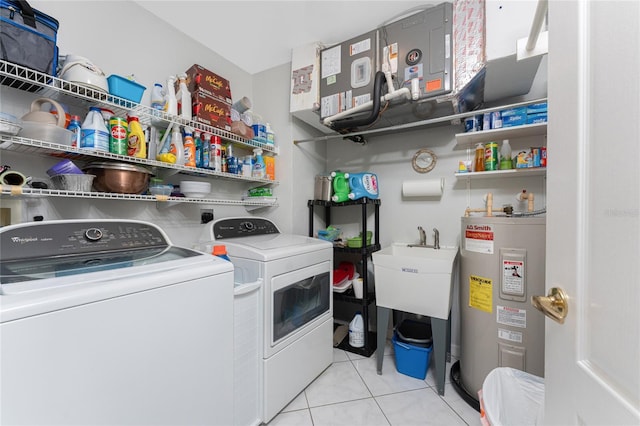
125	88
411	360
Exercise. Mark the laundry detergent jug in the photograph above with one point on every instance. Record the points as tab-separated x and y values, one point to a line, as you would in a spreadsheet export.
362	185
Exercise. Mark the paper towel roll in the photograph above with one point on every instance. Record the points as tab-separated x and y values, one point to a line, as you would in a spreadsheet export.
423	188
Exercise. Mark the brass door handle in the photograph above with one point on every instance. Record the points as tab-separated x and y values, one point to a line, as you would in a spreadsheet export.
555	305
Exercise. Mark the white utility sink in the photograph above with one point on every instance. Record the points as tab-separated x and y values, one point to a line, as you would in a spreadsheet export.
415	279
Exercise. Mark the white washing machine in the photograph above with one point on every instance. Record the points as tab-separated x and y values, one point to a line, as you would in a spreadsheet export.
296	321
106	322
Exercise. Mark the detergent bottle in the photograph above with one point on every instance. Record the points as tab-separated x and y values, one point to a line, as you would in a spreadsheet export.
340	187
362	185
177	147
189	148
184	97
136	142
220	251
258	164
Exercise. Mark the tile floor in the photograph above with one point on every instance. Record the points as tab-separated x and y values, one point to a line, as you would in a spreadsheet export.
350	392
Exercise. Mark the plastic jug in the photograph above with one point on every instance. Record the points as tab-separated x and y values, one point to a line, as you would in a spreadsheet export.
356	331
340	185
137	146
362	185
94	134
189	148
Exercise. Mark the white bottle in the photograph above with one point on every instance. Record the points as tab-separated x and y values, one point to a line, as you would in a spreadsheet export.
157	97
505	149
184	97
171	102
177	147
215	153
356	331
271	136
94	134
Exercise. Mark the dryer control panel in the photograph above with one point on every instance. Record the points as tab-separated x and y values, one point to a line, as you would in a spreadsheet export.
243	227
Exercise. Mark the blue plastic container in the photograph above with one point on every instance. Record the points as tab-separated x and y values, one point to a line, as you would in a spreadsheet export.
125	88
411	360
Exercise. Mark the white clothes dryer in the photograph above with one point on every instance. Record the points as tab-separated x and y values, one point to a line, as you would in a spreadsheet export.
106	322
297	304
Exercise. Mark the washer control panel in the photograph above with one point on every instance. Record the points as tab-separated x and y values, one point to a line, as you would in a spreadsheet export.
243	227
65	238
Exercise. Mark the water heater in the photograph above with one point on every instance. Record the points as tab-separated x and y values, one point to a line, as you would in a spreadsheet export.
502	265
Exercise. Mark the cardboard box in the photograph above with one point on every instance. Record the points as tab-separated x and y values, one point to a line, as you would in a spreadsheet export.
210	110
514	120
201	79
537	108
537	118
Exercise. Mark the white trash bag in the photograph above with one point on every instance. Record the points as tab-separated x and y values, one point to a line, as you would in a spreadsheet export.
512	397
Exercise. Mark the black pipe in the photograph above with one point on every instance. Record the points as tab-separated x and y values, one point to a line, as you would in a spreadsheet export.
347	123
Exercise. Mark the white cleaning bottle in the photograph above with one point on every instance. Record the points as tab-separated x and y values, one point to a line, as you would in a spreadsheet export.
356	331
171	102
177	147
505	155
157	97
184	97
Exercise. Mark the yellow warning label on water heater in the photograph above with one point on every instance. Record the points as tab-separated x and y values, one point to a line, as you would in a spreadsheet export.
481	293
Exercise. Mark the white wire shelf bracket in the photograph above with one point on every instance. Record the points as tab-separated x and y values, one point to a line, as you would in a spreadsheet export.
22	78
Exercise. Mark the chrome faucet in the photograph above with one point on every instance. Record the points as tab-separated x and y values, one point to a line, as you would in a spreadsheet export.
423	239
423	236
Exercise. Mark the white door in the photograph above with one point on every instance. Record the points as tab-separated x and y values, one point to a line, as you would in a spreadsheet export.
593	226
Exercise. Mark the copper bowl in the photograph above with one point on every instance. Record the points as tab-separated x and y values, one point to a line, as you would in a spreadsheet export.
122	178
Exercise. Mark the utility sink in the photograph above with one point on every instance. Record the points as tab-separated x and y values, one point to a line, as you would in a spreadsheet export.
415	279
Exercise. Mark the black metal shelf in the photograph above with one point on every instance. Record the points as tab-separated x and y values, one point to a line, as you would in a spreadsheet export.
364	253
366	350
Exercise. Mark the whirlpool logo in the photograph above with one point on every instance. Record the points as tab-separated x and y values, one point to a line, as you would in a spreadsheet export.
411	270
24	240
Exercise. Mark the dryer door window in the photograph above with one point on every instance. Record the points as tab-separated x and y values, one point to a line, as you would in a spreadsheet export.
299	302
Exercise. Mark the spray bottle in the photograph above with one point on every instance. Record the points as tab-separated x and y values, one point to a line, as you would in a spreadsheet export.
184	97
189	148
171	102
215	154
177	147
258	164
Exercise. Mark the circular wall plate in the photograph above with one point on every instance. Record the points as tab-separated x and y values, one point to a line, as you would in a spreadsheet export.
424	161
